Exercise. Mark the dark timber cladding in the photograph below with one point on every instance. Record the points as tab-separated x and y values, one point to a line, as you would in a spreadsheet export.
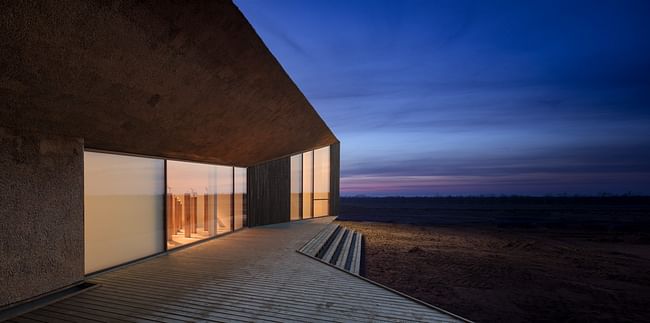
269	192
180	79
335	175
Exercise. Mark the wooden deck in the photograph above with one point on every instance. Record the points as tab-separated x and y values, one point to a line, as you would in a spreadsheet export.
251	275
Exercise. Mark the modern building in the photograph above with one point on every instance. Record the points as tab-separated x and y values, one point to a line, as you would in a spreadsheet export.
129	129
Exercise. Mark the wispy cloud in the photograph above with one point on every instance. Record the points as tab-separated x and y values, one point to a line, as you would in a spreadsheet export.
507	95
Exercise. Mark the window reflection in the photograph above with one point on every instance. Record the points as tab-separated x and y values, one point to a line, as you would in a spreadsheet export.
307	184
296	186
201	203
240	197
191	202
321	181
224	199
310	184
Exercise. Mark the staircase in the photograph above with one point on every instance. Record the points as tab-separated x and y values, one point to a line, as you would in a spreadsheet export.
338	246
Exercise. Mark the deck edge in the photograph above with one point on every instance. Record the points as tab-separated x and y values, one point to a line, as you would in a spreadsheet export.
421	302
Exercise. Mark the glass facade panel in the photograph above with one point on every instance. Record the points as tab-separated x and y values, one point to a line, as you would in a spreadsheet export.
224	199
307	184
191	202
125	198
321	181
321	208
296	186
240	197
310	184
123	207
322	173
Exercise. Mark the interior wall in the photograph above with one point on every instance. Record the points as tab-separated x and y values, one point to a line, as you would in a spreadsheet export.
269	191
41	214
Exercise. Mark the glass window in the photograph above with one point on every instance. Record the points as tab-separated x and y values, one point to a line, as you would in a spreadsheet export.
321	181
240	197
307	184
321	208
123	207
296	186
310	184
191	202
224	199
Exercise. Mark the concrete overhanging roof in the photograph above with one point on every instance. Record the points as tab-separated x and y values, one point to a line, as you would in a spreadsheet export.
187	80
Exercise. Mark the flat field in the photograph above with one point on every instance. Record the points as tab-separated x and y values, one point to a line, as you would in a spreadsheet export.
512	259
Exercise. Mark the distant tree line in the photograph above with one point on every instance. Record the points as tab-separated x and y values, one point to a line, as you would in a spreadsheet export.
555	199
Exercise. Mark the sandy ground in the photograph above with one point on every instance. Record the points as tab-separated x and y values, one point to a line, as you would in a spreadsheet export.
491	274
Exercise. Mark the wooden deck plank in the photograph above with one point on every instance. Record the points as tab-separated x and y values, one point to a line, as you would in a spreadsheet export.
251	275
107	312
145	310
278	294
46	318
238	312
150	279
275	288
261	300
231	313
24	320
51	316
43	318
77	315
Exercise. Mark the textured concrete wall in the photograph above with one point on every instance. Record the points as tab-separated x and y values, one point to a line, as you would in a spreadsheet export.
181	79
41	214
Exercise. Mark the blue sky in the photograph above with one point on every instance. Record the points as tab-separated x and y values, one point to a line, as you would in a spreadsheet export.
473	97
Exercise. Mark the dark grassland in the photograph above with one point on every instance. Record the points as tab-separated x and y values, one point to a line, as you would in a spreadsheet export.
512	259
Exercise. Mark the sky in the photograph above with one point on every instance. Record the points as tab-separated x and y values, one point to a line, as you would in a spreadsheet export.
473	97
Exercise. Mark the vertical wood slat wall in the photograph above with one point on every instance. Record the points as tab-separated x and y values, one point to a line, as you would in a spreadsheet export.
335	175
269	192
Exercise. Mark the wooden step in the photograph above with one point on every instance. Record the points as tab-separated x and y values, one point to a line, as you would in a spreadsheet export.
311	241
329	253
338	246
338	249
345	250
316	243
355	266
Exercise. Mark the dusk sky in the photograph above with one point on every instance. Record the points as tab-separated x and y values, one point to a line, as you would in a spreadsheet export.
480	97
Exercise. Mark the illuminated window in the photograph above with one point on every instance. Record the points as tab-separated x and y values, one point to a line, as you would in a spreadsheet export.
321	181
240	197
191	202
296	186
125	198
123	207
307	184
310	184
224	199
